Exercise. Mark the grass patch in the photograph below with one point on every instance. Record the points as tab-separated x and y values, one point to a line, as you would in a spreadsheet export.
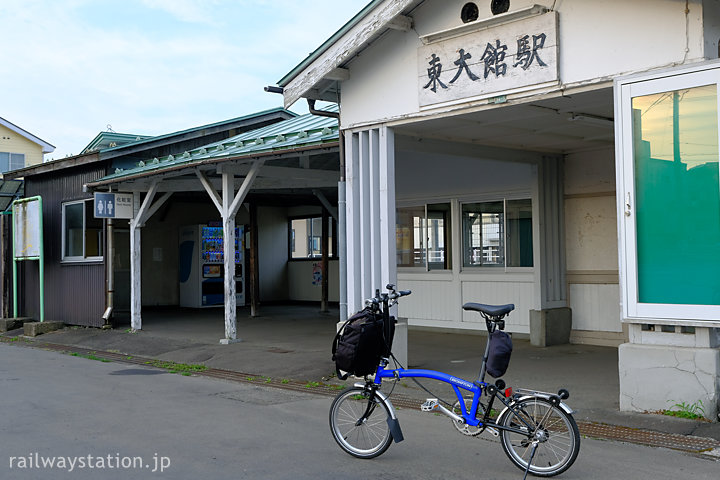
312	384
284	381
90	356
185	369
692	411
336	387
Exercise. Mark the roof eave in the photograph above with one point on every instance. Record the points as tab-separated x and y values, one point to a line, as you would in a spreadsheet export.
212	161
364	27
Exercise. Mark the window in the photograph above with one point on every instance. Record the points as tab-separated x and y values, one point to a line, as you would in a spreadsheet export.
11	161
423	236
668	149
498	234
306	237
82	233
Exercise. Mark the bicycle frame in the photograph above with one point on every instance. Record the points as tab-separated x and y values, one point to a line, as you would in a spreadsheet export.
476	388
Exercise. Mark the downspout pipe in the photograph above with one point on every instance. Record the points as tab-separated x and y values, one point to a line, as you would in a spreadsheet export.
110	272
342	221
321	113
342	218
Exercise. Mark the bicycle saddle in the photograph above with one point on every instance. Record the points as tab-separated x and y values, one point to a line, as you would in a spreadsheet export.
491	310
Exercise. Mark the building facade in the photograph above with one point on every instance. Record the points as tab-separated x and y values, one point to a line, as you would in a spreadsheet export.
547	156
20	148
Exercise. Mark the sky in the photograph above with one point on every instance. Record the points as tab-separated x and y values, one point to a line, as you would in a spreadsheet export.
73	68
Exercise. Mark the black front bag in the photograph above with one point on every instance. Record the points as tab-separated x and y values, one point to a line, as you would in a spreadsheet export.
361	343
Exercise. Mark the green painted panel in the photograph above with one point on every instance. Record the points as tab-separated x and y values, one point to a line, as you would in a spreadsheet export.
677	193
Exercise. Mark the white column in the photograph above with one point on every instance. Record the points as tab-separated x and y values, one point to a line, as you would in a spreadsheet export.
228	195
135	267
370	209
352	222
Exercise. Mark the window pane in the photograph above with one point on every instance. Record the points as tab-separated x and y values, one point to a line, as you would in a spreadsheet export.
306	237
438	236
519	248
410	244
315	236
299	248
677	196
17	161
73	230
4	162
483	236
93	232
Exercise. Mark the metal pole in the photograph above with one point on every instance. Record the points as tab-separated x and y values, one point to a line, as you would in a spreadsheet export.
42	263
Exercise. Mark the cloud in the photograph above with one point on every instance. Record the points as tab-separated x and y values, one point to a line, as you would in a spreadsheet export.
72	67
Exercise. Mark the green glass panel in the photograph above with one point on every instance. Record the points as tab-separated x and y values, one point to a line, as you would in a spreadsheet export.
677	196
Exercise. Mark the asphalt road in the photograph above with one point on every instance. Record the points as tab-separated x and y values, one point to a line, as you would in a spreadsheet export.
99	420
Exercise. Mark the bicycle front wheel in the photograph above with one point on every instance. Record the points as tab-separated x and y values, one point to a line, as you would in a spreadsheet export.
360	425
538	424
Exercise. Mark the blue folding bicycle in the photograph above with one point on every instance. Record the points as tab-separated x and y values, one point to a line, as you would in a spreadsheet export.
537	430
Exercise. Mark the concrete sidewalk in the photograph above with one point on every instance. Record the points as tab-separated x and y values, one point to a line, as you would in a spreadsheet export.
294	342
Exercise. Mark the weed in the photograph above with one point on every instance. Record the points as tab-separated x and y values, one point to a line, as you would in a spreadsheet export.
692	411
90	356
285	381
268	379
250	379
172	367
312	384
336	387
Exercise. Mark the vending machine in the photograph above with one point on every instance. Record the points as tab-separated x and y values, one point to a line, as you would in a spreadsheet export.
201	266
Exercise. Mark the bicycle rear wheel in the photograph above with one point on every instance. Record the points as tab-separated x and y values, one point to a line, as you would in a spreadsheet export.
358	425
540	424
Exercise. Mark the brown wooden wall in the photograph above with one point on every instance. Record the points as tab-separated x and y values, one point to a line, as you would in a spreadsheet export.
74	292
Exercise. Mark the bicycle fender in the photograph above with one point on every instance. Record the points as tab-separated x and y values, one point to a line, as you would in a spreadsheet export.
545	396
393	421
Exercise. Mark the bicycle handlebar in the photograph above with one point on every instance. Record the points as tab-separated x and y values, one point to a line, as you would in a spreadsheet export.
390	296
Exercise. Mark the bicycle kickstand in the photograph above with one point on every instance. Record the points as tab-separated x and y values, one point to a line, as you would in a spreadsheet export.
532	455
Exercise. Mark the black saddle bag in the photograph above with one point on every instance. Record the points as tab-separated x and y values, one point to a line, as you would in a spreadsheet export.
499	353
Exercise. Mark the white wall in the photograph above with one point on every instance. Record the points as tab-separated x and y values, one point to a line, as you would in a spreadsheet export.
598	40
273	253
304	284
592	247
434	171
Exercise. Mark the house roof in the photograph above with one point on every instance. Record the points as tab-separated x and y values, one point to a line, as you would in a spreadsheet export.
46	147
145	143
105	140
305	132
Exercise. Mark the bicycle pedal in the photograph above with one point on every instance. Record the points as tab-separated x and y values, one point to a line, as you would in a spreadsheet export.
431	404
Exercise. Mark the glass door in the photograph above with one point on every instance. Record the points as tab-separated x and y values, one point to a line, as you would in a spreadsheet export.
669	194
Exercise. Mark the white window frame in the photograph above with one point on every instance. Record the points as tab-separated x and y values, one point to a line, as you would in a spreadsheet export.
625	89
494	267
75	258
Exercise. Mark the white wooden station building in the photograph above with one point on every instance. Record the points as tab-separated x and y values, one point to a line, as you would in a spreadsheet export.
562	157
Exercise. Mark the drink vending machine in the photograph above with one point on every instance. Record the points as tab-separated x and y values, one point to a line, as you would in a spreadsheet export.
201	266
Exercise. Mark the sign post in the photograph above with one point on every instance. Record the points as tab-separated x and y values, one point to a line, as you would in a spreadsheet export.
28	243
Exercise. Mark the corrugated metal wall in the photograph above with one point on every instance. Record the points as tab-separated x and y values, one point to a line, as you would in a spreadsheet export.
74	292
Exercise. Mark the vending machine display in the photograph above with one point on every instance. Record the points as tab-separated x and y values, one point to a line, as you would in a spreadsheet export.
201	266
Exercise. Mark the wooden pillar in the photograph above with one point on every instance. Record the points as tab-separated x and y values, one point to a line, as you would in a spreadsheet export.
228	190
254	263
325	257
135	267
